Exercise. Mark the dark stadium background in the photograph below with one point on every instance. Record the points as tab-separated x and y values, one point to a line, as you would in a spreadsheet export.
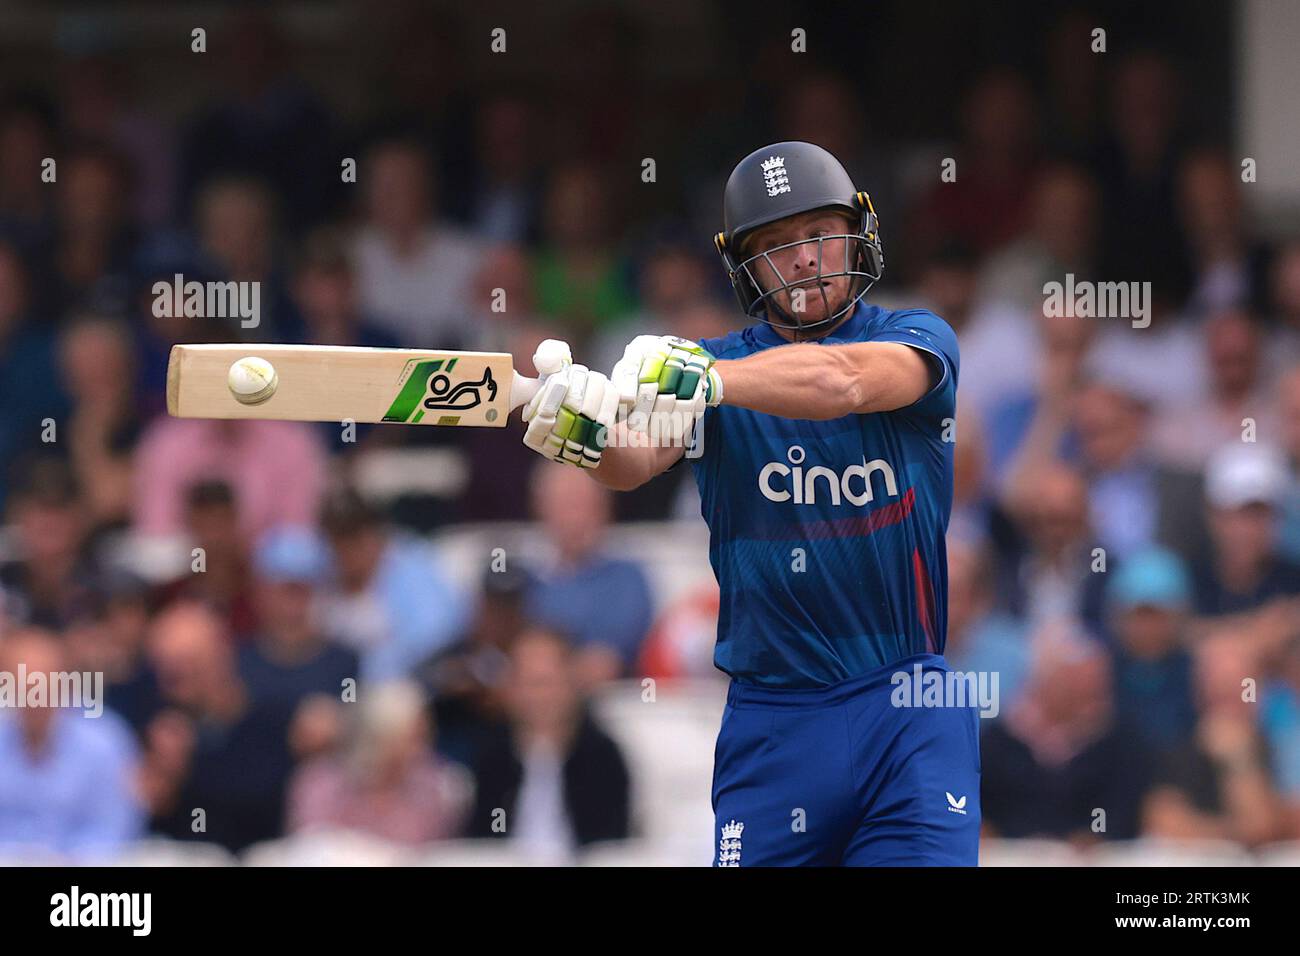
484	602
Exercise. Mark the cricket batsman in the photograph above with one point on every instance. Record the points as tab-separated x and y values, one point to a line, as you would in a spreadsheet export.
825	476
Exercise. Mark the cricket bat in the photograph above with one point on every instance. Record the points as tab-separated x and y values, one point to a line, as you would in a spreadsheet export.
330	383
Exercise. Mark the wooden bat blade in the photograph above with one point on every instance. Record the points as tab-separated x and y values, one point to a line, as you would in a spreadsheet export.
327	383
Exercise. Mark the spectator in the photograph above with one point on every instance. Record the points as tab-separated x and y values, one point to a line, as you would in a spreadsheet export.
1137	166
1280	723
1059	764
504	204
1244	487
554	782
26	139
68	781
602	602
99	106
1147	604
47	577
946	284
1284	304
110	640
1052	576
387	782
237	226
275	469
31	392
1219	785
218	761
223	581
1075	74
291	658
504	297
415	272
325	293
465	679
1134	500
1227	270
390	601
419	82
601	83
1186	435
581	282
1032	414
974	507
1288	401
263	122
95	238
986	206
159	321
98	363
981	638
1125	354
1061	239
988	331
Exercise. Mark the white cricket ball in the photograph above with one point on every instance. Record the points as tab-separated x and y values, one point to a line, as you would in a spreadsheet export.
252	380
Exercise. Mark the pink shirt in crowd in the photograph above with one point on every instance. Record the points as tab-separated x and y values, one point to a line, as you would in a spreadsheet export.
428	803
276	470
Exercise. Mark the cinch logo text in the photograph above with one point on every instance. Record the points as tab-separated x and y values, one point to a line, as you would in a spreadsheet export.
778	481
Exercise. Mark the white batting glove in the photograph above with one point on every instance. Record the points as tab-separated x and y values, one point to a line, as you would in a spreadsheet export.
570	416
665	383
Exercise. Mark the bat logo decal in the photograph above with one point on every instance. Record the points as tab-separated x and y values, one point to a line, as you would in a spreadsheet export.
426	384
464	396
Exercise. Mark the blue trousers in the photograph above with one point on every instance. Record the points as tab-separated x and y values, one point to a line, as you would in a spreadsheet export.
841	776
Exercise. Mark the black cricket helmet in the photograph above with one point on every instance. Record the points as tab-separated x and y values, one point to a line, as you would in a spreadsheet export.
783	180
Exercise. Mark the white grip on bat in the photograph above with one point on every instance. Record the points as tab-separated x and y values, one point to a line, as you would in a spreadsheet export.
551	356
522	390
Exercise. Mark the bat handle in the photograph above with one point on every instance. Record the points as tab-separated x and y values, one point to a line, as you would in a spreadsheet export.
522	390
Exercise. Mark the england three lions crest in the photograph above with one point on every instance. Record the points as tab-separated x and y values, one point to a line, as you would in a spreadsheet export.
729	845
774	176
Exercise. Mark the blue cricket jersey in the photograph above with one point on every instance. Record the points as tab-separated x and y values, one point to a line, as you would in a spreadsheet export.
827	538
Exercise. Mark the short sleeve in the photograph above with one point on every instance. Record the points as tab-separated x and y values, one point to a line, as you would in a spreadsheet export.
731	345
930	334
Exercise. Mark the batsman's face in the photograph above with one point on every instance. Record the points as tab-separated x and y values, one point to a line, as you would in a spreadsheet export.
803	255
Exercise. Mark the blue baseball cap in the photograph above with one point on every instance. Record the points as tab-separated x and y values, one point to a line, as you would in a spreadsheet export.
292	553
1154	577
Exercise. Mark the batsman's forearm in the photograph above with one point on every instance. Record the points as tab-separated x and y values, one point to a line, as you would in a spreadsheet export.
622	469
796	381
820	382
625	465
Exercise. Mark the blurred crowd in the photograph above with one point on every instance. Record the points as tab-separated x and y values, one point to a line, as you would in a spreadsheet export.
283	645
